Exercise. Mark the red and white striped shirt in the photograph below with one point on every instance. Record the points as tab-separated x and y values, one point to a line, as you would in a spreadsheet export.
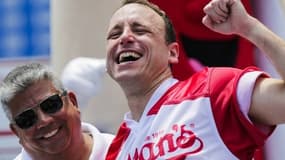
204	117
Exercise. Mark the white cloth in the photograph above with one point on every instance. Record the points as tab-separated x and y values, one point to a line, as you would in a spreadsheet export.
84	76
101	142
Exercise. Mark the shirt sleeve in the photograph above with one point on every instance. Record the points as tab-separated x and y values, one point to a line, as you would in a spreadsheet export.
245	89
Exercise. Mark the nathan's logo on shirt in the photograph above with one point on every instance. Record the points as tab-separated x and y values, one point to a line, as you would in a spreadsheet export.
178	144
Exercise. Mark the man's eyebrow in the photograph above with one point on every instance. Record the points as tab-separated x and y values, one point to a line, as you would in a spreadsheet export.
117	26
137	24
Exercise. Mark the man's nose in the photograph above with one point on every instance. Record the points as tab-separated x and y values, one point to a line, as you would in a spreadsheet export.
43	118
127	37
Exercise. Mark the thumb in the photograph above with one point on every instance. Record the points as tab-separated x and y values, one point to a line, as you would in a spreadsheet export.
207	22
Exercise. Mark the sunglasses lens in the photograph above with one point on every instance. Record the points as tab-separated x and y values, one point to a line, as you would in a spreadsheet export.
51	105
26	119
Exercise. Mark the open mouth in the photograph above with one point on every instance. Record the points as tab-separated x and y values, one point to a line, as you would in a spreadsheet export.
128	56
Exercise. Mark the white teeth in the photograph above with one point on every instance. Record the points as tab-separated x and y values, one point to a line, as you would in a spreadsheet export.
50	134
126	55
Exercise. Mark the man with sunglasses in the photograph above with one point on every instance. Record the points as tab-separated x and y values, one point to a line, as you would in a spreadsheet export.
46	118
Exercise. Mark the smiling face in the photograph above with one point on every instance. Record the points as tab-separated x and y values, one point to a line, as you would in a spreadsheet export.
137	51
52	133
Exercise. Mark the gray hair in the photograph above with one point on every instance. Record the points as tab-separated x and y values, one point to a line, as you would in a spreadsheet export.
22	77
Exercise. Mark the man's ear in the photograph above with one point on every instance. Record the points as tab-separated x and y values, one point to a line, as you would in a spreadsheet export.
73	98
13	129
173	52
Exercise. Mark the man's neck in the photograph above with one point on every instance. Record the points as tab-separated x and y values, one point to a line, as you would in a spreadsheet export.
137	105
138	91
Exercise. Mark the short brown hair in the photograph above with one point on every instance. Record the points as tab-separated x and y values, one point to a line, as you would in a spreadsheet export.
170	35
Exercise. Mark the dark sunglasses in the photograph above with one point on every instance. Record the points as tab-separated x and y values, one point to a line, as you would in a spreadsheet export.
29	117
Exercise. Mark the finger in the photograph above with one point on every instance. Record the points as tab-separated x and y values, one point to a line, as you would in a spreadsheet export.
207	21
221	15
214	13
220	8
219	28
224	6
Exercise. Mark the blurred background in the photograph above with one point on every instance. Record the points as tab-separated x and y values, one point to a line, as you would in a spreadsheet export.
55	31
24	36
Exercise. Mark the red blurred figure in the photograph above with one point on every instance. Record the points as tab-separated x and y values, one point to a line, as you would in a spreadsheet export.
200	43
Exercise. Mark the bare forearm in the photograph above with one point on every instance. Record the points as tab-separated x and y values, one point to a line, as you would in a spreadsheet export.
268	42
